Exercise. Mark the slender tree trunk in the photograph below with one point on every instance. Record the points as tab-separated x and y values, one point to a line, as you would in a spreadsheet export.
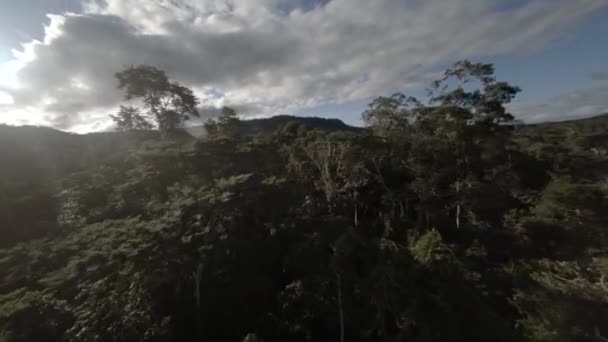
356	210
458	204
340	308
401	209
197	296
197	286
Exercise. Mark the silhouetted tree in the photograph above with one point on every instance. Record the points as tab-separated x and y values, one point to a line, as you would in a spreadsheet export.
130	119
167	102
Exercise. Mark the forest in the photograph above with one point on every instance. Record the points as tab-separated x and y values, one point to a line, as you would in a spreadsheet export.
443	219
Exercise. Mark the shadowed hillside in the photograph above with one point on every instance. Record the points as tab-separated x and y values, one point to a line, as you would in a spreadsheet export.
267	125
35	159
436	222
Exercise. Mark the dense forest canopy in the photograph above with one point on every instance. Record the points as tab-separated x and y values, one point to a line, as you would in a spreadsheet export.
442	220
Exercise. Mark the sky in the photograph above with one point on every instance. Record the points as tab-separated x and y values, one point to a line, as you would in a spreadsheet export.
325	58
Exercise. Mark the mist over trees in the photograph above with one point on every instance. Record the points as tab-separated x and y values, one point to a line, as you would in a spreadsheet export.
441	220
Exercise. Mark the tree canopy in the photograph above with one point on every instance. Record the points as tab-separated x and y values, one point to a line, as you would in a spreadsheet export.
166	102
440	220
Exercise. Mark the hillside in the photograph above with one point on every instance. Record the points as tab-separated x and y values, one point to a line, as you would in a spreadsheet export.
35	159
47	153
454	226
267	125
575	147
50	153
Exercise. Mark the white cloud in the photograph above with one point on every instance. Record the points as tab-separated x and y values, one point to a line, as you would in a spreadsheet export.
6	98
265	56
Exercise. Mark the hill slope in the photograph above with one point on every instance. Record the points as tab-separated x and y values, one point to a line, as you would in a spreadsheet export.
267	125
241	238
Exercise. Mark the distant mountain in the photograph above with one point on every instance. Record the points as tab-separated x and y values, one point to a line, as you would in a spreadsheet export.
585	125
266	125
47	153
596	118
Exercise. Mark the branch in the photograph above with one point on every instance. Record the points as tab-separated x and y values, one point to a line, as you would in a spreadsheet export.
311	157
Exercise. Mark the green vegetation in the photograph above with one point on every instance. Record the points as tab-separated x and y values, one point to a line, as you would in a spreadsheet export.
441	221
166	102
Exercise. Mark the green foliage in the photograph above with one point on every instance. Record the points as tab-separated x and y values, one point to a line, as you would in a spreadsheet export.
388	114
441	221
225	126
167	102
562	301
430	248
130	119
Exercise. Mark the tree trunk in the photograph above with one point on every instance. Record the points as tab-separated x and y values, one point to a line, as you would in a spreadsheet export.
401	209
340	309
197	295
197	286
356	210
458	204
356	216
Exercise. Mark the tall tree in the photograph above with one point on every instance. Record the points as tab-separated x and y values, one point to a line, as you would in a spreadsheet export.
167	102
387	114
130	118
225	126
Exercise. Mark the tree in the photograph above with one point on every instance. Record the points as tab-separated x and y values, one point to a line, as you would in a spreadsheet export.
130	119
484	100
167	102
226	125
454	143
386	114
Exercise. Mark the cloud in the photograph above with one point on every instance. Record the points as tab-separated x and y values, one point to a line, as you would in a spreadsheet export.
271	56
575	105
6	98
599	75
